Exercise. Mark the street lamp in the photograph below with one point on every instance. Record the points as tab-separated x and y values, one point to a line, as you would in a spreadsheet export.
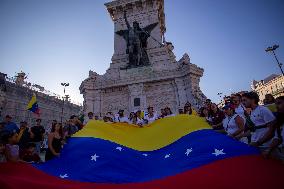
272	49
65	85
66	96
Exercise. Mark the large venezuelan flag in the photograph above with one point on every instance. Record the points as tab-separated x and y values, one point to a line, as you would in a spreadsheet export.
174	152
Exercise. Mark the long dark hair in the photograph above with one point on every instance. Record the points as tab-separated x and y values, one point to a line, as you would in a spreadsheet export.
60	129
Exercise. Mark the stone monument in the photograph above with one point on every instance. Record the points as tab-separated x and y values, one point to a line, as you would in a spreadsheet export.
144	70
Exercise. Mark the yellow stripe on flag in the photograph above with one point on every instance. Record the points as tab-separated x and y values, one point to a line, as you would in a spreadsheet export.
154	136
32	102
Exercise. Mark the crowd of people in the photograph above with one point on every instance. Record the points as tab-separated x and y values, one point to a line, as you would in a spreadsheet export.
241	118
142	118
26	144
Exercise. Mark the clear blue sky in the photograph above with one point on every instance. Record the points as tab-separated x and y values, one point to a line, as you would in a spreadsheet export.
58	41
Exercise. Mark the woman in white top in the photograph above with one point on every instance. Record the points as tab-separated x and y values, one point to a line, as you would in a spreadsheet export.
233	123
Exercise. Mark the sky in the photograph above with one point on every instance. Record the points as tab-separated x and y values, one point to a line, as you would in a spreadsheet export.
56	41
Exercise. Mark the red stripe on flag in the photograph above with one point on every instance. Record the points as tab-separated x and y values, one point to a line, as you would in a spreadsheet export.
234	173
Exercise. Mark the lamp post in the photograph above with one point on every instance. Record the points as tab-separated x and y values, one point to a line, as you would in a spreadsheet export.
65	96
272	49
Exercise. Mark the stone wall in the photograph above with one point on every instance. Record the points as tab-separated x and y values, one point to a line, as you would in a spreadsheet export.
161	94
117	98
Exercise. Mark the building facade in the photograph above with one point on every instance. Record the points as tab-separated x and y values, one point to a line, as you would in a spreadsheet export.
144	70
274	84
16	94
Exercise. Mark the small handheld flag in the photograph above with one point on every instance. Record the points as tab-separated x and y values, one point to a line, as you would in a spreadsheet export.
33	106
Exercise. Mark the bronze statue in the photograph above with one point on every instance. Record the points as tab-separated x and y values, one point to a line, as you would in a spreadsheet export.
136	41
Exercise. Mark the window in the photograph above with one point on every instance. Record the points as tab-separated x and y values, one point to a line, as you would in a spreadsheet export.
136	102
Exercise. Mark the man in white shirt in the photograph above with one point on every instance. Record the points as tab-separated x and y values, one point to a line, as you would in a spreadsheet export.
263	119
121	117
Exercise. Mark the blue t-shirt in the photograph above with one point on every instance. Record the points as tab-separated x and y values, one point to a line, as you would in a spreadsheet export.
11	127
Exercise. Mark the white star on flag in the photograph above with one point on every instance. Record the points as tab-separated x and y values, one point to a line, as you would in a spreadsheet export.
64	176
145	155
218	152
119	148
167	156
188	151
94	157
